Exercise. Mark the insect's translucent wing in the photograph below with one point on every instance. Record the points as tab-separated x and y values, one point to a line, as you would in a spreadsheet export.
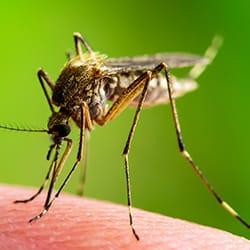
157	92
146	62
159	95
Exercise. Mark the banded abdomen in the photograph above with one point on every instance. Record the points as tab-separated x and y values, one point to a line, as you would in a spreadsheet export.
157	92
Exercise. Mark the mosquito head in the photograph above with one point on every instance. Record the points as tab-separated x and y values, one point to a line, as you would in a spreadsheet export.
58	126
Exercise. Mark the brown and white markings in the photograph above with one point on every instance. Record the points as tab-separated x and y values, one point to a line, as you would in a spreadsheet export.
82	91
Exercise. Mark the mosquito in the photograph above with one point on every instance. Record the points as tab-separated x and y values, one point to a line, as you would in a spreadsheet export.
86	86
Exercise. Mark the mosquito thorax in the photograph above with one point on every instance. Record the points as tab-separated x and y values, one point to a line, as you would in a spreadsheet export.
82	80
76	78
94	59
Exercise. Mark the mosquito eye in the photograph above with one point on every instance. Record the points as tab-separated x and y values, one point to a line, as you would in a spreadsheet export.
62	129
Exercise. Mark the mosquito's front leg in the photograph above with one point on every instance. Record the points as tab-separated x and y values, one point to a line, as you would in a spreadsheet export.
44	182
42	75
85	121
58	168
39	190
56	171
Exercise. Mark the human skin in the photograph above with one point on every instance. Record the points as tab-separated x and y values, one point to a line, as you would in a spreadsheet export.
81	223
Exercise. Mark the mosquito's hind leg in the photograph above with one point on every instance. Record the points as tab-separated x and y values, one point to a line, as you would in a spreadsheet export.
188	157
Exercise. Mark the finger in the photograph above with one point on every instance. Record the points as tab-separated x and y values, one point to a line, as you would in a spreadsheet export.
76	223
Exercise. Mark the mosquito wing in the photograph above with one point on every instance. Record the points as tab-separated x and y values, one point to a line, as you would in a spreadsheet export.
147	62
158	91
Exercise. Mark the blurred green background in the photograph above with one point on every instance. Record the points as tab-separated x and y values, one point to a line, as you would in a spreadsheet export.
214	118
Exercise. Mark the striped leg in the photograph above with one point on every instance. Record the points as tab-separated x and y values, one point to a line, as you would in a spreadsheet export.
188	157
139	86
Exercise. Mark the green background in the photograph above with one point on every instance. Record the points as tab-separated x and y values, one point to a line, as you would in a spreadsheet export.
214	118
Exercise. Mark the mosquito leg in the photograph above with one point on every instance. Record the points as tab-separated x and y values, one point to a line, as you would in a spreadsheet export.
52	182
84	114
52	146
44	182
39	190
126	153
56	171
58	168
127	96
78	39
87	129
80	190
188	157
138	86
42	75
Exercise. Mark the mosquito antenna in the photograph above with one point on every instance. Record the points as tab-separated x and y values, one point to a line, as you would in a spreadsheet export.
22	129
